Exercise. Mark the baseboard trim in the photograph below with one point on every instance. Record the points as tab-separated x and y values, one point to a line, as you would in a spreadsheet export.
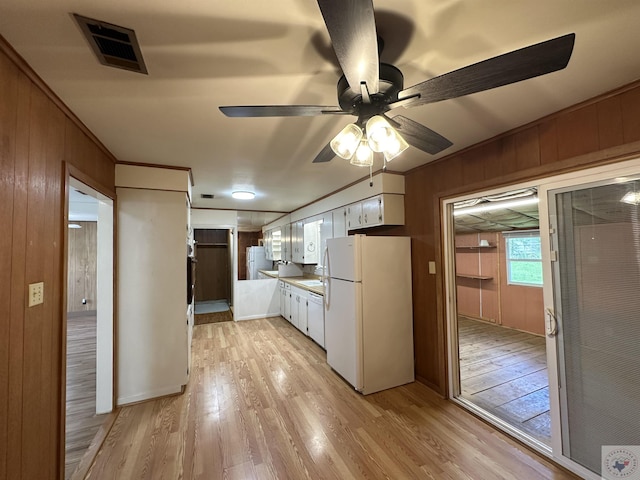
152	395
255	317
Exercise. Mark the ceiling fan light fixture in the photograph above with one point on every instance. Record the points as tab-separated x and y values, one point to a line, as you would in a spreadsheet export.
363	156
347	141
243	195
394	147
379	132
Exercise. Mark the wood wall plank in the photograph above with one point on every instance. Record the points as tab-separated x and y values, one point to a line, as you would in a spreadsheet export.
18	284
610	129
36	137
578	132
631	115
8	115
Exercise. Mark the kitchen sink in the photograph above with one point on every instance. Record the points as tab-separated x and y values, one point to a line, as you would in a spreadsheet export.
310	283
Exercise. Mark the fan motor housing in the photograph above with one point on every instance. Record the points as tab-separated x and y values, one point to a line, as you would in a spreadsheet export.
390	84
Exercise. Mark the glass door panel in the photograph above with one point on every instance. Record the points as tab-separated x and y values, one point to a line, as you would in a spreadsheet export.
596	282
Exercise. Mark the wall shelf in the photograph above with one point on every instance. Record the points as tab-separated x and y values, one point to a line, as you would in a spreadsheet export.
475	247
475	277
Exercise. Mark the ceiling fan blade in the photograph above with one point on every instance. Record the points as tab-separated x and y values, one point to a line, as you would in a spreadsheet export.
512	67
352	28
281	111
419	136
325	155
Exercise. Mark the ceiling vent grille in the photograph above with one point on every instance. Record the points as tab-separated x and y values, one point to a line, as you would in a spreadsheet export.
113	45
206	195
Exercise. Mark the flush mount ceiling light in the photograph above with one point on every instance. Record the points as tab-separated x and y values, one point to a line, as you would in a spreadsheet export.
243	195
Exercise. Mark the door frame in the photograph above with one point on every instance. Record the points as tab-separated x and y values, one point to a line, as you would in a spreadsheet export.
565	180
451	314
71	173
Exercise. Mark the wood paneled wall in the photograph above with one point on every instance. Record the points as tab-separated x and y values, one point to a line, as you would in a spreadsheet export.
37	135
82	261
604	130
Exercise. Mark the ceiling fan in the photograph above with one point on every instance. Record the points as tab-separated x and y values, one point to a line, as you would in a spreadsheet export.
369	89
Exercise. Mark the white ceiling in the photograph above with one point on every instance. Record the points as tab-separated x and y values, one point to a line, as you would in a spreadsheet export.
203	54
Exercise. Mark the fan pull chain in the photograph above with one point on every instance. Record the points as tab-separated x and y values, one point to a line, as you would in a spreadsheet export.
371	175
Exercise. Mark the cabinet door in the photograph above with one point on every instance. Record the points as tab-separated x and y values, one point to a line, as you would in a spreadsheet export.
286	243
282	297
297	241
354	216
287	305
372	211
315	321
299	309
339	217
302	315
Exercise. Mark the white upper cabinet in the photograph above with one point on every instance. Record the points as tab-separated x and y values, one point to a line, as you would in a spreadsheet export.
339	217
384	209
285	243
354	216
297	242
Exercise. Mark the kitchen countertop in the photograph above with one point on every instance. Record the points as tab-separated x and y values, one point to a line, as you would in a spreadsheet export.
295	281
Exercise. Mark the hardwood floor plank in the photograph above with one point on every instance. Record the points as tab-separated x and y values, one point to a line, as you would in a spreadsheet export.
505	373
263	403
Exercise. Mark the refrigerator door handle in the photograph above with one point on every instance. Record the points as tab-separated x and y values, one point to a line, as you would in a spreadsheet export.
325	276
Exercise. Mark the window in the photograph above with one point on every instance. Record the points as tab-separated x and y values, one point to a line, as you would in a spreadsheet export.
524	258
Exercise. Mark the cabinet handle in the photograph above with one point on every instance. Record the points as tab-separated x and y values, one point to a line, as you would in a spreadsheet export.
365	218
359	218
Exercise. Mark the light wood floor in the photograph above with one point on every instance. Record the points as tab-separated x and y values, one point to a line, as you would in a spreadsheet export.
262	403
504	372
82	423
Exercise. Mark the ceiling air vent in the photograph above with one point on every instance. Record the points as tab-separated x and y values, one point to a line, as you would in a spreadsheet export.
206	195
113	45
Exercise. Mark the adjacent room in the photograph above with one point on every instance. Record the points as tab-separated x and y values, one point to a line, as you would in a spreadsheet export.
500	312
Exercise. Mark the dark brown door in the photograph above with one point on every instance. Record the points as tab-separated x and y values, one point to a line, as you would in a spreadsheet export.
213	273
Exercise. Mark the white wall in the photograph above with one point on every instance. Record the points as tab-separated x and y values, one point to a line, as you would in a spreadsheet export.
104	316
257	299
206	218
152	304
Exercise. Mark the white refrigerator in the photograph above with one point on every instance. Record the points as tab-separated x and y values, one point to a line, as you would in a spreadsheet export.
257	260
368	311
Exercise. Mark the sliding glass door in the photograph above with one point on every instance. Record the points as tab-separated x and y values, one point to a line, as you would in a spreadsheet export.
593	323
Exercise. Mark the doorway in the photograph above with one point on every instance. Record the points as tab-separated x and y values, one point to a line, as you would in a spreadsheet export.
89	323
589	243
499	322
213	298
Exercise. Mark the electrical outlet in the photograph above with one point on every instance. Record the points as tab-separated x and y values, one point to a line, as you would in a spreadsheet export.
36	293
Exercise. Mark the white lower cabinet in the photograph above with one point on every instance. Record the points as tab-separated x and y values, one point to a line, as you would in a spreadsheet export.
286	302
304	310
299	309
315	318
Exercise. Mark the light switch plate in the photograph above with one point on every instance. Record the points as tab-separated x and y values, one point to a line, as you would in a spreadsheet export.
36	293
432	268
